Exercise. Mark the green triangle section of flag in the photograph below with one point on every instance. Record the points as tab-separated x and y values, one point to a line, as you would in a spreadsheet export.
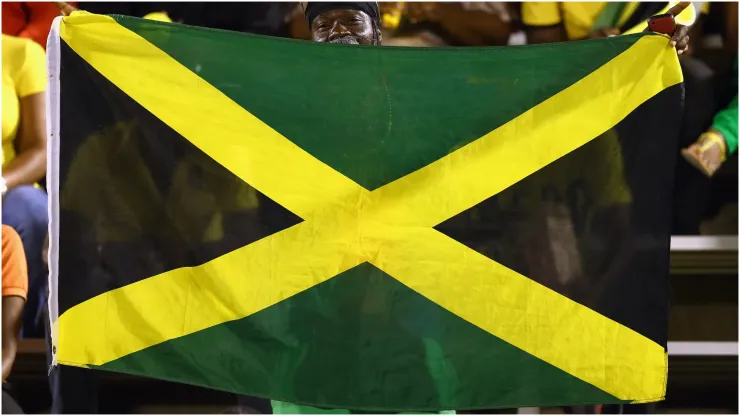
377	117
592	225
361	340
137	199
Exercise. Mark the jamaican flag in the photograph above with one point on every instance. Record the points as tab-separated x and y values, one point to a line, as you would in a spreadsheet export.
368	228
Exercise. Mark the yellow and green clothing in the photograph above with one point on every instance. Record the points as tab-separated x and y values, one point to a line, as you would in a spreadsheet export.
725	122
578	18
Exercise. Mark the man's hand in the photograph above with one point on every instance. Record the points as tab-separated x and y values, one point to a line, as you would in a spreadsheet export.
707	153
604	33
64	8
680	37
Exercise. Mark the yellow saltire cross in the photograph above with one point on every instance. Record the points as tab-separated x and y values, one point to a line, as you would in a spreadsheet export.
345	225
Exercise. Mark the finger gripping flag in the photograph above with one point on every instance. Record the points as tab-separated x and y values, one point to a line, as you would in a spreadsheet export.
381	229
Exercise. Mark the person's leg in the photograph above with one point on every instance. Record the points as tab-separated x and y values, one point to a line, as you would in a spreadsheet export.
25	209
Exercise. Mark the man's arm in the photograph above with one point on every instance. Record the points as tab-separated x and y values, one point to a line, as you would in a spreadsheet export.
551	34
543	22
474	27
712	148
12	314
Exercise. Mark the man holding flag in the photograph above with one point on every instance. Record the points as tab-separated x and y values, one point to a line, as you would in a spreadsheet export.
293	355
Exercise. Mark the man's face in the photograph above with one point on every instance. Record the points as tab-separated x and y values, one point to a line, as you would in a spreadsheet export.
343	26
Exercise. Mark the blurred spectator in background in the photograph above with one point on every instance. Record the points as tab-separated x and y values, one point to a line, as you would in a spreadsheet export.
712	148
30	20
24	161
446	24
547	22
709	130
262	18
15	289
708	134
708	137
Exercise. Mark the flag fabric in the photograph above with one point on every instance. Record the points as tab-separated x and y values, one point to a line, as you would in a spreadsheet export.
369	228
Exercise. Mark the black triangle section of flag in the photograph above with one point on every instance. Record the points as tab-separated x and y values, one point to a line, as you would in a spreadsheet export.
593	224
136	198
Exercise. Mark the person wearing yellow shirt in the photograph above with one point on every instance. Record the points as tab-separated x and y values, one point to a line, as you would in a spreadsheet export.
560	21
24	205
547	22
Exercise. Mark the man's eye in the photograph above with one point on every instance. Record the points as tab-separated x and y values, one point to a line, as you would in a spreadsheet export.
323	26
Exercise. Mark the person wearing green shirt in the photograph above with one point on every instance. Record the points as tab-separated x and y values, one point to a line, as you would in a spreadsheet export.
708	134
714	146
719	142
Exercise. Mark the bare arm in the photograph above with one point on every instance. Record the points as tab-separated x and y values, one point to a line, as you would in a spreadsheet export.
12	313
29	165
473	27
550	34
557	34
64	8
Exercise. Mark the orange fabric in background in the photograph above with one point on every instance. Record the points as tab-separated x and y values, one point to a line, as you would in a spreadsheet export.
15	272
30	19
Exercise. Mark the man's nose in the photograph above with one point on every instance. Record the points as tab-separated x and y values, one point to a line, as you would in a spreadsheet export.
337	31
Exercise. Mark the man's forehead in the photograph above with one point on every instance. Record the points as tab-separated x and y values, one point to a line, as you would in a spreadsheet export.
315	9
339	13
